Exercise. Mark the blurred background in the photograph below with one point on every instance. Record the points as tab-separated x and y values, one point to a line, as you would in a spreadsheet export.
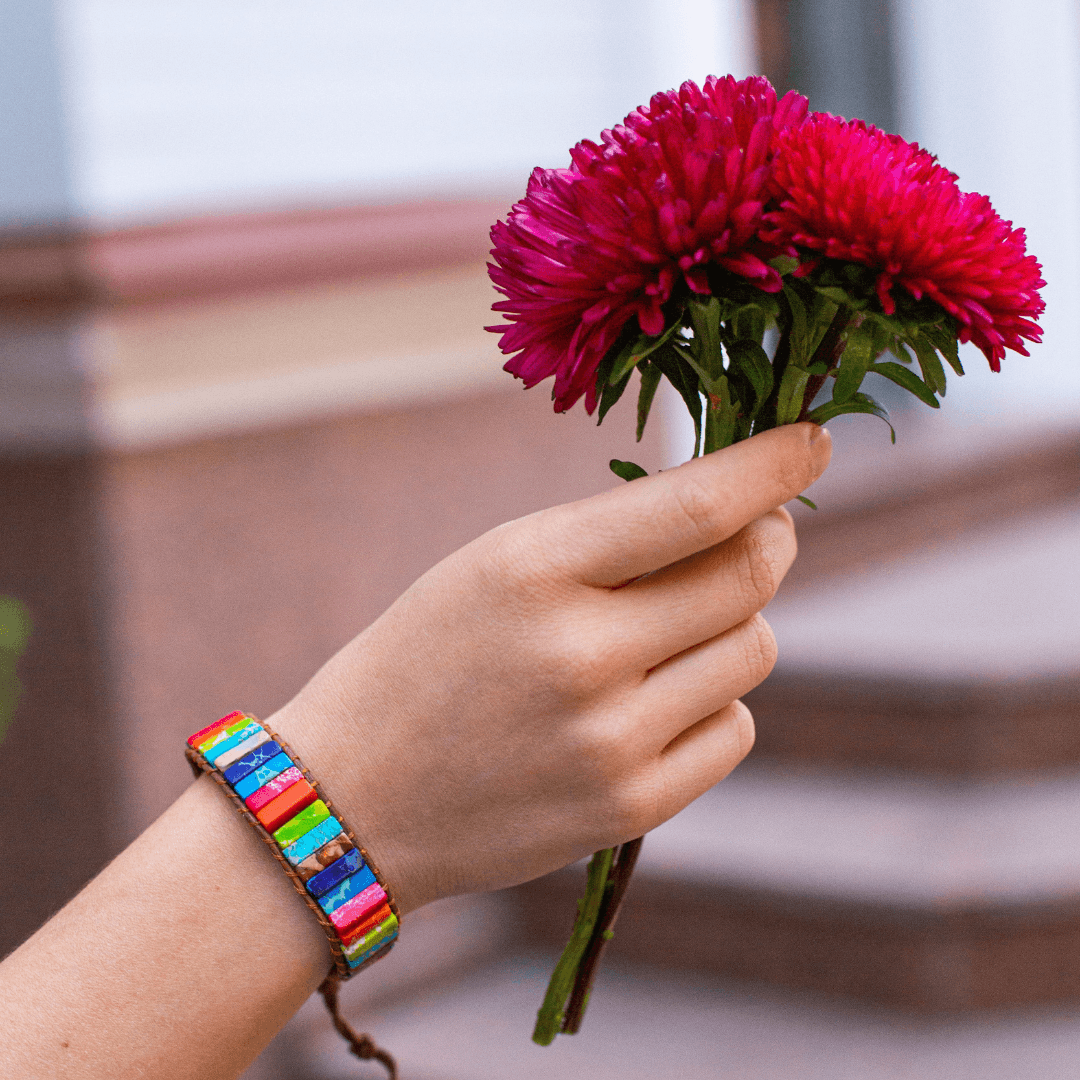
246	398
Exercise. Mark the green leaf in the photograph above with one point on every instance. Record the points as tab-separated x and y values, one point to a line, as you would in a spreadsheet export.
751	360
932	372
835	294
911	382
789	401
610	394
685	380
784	264
14	625
800	325
944	340
650	380
854	362
626	470
708	383
860	403
721	415
808	502
637	350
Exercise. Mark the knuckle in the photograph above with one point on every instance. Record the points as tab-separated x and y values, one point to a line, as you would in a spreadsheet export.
581	664
635	807
697	505
762	564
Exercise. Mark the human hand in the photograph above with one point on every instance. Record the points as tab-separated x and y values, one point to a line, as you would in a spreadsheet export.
564	683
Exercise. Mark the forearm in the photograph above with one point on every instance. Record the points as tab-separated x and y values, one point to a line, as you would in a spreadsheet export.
181	959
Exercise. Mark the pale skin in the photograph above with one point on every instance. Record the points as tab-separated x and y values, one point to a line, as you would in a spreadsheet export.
564	683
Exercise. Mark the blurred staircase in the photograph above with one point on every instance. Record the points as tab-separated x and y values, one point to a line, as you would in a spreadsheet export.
890	885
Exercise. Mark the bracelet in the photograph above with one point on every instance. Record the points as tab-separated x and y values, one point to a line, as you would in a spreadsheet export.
272	789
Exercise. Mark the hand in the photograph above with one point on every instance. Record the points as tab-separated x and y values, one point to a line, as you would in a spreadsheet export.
564	683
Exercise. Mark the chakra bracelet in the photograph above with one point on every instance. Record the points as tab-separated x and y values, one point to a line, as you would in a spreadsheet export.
272	789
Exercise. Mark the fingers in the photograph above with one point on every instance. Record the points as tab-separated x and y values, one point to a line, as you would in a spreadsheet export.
704	680
700	597
657	520
702	756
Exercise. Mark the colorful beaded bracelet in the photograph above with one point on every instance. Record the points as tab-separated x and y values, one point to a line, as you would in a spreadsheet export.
273	790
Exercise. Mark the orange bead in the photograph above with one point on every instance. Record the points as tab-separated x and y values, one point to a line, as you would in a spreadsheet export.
286	805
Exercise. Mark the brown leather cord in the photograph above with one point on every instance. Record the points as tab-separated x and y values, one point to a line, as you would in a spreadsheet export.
363	1046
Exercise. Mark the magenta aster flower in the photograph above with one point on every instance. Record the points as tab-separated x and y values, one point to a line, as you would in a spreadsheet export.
852	192
679	187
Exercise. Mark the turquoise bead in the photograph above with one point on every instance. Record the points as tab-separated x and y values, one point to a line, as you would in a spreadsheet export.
310	842
242	735
262	775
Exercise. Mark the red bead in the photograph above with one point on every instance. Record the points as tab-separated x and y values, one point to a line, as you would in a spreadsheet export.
198	737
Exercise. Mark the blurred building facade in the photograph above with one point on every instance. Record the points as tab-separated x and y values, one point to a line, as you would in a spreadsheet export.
246	398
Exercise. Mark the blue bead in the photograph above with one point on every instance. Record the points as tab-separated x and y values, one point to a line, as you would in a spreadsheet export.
371	952
262	774
259	756
311	841
350	887
326	879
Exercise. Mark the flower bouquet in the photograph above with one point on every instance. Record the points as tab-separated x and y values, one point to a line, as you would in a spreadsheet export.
763	259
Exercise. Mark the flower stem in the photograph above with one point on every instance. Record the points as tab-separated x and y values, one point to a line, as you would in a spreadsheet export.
614	891
549	1019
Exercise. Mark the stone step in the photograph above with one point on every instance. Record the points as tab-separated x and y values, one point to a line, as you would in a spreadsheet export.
936	897
962	659
645	1022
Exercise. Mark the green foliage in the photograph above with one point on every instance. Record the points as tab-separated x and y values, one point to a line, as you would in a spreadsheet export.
14	634
626	470
650	380
831	326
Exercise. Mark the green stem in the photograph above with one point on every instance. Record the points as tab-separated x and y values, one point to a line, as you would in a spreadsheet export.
766	418
550	1017
829	351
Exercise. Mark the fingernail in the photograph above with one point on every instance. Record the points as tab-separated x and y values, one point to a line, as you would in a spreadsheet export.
820	442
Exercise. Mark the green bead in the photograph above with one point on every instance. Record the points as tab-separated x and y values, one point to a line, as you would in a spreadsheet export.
303	823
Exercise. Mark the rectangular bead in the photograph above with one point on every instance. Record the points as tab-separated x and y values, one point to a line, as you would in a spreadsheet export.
329	853
365	925
199	736
260	756
261	774
303	823
374	937
270	790
222	733
285	807
352	886
241	749
310	842
363	957
352	911
336	872
218	749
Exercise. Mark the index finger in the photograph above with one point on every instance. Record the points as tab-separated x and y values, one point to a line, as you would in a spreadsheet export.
657	520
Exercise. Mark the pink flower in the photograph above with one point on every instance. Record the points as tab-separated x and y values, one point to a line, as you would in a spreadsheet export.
679	187
850	191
